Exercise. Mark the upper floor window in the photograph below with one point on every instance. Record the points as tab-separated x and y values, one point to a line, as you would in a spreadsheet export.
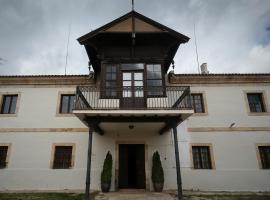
264	152
201	157
255	101
67	103
154	79
110	81
9	103
198	104
3	156
62	157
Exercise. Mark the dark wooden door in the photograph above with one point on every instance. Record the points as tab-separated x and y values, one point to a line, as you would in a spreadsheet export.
132	166
133	90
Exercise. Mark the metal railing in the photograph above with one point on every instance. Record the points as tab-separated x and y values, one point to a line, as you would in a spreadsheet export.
133	98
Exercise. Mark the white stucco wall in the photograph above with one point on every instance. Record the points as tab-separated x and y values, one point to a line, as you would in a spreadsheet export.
234	152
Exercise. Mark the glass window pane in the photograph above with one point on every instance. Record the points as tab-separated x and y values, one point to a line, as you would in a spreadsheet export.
157	67
113	69
71	103
13	104
138	83
139	92
110	84
154	83
126	76
64	104
6	104
126	93
138	76
127	83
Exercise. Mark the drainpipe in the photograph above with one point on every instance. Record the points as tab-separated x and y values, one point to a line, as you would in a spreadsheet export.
177	161
88	172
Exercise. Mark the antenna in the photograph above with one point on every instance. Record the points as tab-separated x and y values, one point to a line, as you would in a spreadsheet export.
69	27
132	2
197	55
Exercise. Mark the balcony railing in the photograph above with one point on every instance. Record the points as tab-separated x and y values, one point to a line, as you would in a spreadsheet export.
133	98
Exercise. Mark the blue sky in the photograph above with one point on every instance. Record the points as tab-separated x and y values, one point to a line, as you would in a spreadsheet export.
233	35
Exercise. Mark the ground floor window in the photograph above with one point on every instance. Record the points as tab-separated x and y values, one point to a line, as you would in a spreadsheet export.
264	152
202	157
63	156
3	156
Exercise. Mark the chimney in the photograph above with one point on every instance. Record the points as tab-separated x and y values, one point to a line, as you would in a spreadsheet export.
204	69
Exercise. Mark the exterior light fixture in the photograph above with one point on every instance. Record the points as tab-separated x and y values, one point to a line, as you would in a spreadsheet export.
131	126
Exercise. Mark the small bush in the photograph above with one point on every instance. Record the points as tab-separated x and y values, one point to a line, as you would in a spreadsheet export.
106	174
157	170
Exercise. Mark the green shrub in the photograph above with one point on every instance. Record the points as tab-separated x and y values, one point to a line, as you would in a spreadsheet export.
106	174
157	170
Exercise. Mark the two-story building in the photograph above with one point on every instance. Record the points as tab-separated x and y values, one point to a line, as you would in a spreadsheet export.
211	130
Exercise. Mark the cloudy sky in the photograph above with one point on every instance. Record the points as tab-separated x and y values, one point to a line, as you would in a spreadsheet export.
232	35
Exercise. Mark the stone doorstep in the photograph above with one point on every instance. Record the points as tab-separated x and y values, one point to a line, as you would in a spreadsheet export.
166	195
133	195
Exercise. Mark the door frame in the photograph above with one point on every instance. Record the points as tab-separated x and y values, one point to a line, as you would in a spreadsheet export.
132	85
146	163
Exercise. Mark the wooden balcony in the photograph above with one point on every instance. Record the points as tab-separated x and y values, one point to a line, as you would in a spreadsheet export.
93	98
132	104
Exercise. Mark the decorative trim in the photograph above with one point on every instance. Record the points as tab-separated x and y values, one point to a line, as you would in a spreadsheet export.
8	152
204	103
73	145
2	94
58	114
227	129
48	80
218	78
257	145
264	99
211	155
15	130
147	169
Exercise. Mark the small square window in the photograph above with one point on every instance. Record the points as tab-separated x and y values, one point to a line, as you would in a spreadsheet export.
62	157
198	104
201	157
255	102
3	156
265	156
9	104
67	103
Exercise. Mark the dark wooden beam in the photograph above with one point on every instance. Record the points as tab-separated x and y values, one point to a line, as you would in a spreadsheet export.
97	129
169	124
88	172
183	95
131	119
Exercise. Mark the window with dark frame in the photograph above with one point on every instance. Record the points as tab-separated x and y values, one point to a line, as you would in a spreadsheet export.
154	80
201	157
3	156
9	103
265	156
198	104
255	102
62	157
110	81
67	103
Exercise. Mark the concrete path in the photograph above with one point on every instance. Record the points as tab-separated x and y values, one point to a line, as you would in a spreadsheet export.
133	195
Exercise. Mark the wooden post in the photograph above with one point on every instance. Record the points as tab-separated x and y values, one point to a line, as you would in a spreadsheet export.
88	172
177	161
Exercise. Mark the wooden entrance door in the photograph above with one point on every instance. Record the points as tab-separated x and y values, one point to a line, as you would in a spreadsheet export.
132	90
131	166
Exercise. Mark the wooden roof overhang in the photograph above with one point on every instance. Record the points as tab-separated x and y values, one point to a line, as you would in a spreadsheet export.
135	38
166	118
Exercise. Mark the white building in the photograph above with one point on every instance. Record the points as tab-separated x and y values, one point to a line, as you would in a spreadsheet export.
132	104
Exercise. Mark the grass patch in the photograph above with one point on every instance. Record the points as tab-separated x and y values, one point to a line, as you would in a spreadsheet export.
43	196
226	197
